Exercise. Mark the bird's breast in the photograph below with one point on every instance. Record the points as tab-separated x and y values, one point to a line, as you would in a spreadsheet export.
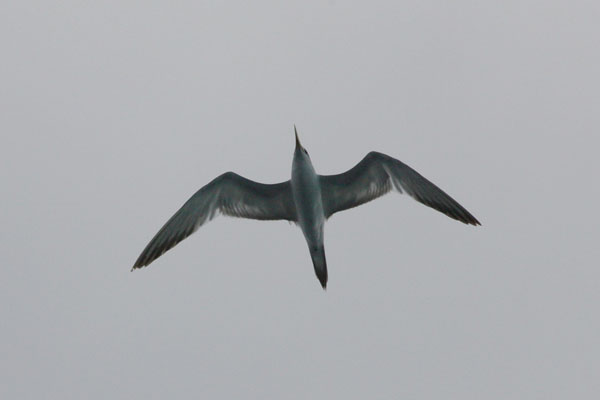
307	198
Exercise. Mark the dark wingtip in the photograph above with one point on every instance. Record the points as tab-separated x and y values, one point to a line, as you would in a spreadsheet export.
141	262
137	265
471	220
467	221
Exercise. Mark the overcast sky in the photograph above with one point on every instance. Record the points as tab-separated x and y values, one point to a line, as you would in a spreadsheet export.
113	113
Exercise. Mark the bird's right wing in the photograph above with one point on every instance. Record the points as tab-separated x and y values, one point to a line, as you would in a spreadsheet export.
374	176
229	194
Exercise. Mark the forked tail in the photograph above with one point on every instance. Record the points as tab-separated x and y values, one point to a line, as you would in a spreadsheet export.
318	258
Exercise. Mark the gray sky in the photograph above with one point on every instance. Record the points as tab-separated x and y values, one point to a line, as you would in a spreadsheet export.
114	113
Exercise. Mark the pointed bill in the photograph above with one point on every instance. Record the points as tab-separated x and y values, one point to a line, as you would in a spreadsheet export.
297	140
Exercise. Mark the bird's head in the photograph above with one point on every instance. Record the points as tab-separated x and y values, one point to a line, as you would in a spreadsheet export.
300	151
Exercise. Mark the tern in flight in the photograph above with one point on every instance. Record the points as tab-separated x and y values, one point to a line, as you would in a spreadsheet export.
307	199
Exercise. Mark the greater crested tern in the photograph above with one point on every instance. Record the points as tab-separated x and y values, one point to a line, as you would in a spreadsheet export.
307	199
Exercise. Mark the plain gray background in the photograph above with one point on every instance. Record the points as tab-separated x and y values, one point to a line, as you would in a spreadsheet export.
114	113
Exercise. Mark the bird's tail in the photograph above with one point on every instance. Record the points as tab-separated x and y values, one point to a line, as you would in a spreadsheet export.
318	258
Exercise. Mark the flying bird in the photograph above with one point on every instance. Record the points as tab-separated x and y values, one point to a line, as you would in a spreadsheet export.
307	199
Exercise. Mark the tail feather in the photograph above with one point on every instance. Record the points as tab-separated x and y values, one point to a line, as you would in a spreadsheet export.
320	264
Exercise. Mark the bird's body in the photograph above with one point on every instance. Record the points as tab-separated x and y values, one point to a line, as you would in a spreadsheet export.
306	190
308	199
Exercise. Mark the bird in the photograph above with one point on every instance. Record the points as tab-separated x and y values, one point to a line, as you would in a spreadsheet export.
307	199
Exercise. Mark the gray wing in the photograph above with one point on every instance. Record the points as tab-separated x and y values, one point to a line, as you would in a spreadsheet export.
229	194
375	176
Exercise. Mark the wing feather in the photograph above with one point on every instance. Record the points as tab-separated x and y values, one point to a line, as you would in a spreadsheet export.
229	194
374	176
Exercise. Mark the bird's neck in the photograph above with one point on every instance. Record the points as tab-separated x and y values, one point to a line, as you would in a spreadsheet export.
302	169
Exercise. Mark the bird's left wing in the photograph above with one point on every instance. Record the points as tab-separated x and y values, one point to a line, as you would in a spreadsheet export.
377	174
229	194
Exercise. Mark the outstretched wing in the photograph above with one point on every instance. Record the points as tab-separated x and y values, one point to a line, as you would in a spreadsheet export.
375	176
229	194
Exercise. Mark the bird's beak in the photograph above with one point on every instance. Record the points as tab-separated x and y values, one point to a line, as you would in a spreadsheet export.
297	140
